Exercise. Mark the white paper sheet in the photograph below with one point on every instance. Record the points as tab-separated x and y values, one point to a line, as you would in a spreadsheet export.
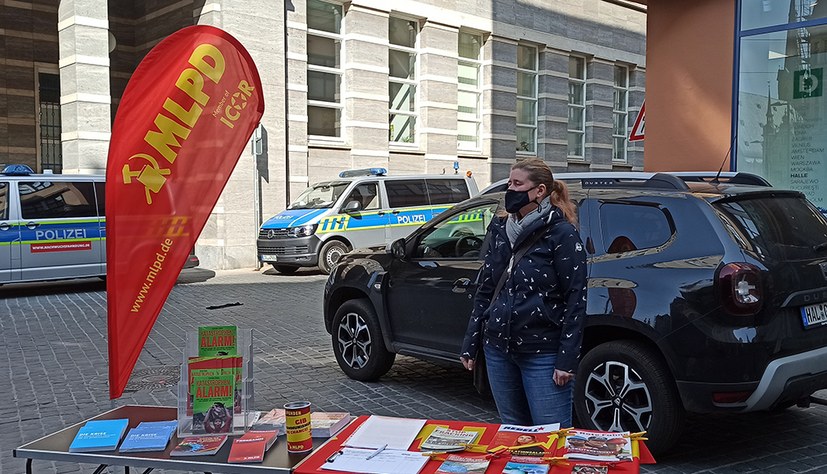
389	461
378	431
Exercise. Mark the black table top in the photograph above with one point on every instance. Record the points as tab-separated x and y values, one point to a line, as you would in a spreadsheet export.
55	447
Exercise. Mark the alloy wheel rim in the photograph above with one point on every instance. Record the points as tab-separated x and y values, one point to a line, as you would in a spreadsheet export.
354	340
617	398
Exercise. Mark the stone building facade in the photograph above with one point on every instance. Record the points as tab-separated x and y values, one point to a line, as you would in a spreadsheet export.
413	86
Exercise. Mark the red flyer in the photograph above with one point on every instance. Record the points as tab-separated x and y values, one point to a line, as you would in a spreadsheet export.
251	447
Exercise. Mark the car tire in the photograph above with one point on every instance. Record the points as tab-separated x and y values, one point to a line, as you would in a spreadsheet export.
329	254
357	342
625	386
286	269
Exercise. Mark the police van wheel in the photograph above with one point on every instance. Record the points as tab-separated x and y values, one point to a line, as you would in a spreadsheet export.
330	253
286	269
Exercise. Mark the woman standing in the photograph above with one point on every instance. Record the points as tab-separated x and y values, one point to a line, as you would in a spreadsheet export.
531	329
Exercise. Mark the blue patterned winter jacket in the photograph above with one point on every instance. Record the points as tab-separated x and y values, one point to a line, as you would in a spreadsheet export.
542	306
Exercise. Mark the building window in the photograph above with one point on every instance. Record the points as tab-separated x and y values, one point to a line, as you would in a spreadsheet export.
402	36
577	106
526	99
469	92
620	113
324	69
51	153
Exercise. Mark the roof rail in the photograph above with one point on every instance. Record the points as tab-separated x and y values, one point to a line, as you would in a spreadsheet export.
731	177
656	180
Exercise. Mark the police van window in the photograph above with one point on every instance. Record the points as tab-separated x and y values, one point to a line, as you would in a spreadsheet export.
366	194
320	195
628	227
57	199
100	193
447	191
4	201
406	193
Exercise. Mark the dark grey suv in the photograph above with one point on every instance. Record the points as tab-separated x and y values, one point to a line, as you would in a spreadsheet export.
705	295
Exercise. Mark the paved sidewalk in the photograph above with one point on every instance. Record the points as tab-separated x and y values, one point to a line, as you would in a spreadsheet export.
54	354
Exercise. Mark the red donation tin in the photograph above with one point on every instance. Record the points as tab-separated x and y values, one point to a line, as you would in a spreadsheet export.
297	422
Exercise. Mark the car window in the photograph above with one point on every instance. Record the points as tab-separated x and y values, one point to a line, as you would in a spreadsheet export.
57	199
626	227
447	191
366	194
100	195
320	195
458	236
4	201
406	193
779	227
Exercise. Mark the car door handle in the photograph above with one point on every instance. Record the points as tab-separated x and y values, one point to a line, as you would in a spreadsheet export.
4	226
394	212
381	213
32	225
461	285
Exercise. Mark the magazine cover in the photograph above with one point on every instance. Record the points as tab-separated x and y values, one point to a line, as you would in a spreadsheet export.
536	440
217	341
590	469
207	366
598	446
199	446
513	467
212	404
464	464
447	439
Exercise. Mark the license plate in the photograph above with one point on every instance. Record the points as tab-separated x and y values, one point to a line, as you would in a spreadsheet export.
269	258
814	315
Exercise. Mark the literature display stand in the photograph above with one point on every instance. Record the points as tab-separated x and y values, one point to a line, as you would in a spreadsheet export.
220	379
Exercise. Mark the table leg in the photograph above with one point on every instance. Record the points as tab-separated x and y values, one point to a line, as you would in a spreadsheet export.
148	470
28	466
100	469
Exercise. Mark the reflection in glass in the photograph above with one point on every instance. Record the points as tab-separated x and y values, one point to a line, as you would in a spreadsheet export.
323	86
402	64
324	16
322	51
323	121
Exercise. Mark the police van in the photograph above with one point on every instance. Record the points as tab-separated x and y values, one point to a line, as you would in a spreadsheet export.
363	208
52	226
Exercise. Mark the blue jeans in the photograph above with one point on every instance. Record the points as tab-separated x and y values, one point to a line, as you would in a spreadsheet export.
524	389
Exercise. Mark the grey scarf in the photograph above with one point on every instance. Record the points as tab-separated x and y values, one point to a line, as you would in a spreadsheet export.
515	227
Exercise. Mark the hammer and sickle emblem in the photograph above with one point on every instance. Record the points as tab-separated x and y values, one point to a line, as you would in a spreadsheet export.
151	175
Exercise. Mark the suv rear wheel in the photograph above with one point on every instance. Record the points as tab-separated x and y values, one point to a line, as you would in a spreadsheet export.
357	342
624	386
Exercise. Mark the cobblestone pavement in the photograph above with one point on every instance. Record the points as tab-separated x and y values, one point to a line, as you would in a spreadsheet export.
53	366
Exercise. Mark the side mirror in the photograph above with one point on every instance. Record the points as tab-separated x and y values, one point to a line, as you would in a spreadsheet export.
352	206
397	249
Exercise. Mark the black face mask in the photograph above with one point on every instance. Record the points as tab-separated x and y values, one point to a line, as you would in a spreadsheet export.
516	200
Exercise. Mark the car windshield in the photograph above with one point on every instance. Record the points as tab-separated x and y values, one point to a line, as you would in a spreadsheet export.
777	227
320	195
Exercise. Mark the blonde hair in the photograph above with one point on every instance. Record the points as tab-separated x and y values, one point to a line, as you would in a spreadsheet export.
539	173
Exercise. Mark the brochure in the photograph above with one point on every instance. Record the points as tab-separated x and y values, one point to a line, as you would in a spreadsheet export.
99	435
535	440
464	464
590	469
271	421
513	467
148	436
199	445
386	432
217	341
598	446
447	439
251	446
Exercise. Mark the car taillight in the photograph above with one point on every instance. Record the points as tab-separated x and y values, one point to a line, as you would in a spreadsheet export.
740	288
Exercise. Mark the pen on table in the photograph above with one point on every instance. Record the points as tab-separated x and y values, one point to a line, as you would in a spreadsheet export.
373	454
334	456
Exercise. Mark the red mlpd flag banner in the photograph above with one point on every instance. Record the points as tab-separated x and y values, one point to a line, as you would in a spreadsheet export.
183	121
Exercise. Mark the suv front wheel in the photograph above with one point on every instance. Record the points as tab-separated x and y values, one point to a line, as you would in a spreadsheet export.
357	342
624	386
